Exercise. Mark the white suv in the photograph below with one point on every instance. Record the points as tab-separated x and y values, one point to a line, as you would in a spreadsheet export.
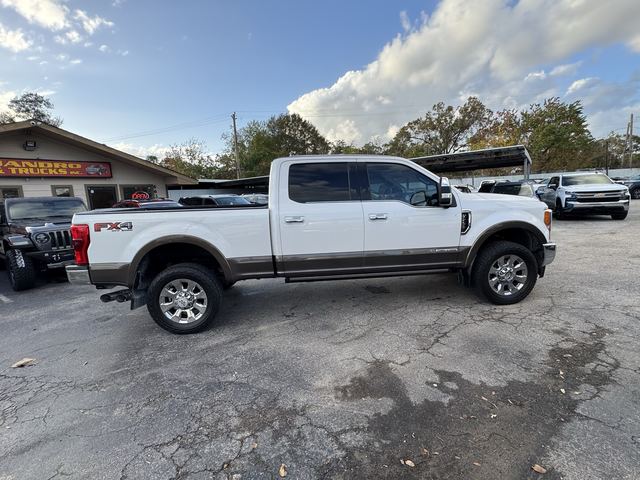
585	193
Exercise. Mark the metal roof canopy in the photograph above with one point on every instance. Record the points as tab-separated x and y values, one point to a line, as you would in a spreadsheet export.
514	156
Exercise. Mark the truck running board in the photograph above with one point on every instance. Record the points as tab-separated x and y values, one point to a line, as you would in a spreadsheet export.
355	276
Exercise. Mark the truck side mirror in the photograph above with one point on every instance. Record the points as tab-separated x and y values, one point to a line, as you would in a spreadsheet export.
553	186
540	191
444	193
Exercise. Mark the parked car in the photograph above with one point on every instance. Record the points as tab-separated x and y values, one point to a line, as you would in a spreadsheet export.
149	203
486	186
586	193
523	188
465	188
633	184
402	219
34	236
257	198
214	200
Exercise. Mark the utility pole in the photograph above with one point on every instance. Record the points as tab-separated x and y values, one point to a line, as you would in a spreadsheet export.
235	144
631	141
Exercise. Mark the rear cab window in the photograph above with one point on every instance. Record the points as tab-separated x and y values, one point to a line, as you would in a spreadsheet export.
322	182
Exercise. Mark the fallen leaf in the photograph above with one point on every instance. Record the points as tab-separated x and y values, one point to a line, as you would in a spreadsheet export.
493	415
402	461
425	451
25	362
562	390
409	463
254	445
282	471
476	464
538	469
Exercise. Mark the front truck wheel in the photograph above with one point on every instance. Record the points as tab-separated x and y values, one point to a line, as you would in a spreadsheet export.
505	272
21	270
184	298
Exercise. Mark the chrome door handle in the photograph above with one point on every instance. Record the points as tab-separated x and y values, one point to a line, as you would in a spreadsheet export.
294	219
377	216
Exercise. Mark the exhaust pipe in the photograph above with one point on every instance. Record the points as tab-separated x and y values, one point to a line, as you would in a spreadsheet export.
120	296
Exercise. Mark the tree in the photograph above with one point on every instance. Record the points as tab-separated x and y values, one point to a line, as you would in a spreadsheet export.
503	130
259	143
30	106
190	159
445	129
370	148
557	135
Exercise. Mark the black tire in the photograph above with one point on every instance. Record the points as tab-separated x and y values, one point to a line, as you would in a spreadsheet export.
619	216
558	213
635	193
21	270
227	285
205	278
488	257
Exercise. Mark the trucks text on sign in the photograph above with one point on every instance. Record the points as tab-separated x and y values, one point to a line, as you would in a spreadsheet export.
53	168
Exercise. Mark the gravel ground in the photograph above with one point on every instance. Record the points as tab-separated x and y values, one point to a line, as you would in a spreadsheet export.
390	378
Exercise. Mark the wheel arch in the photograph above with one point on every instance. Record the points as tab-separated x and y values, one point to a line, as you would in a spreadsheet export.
171	249
522	233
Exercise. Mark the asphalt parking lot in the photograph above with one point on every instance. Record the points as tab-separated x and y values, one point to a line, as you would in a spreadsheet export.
390	378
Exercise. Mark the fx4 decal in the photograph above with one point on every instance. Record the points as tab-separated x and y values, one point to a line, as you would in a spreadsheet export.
113	226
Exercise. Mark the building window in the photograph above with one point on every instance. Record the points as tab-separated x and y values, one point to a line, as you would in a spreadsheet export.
62	190
11	191
138	192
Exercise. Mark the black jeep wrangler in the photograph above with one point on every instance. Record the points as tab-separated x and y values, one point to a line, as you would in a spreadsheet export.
35	236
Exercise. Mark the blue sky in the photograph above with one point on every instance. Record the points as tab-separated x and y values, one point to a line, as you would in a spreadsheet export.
117	70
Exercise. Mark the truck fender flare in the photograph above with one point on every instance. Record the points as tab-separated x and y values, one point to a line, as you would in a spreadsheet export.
497	228
198	242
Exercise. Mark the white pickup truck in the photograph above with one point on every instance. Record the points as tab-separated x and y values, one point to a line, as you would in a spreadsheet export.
328	218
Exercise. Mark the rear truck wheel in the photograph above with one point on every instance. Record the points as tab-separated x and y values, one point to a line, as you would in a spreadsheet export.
505	272
21	271
557	213
619	216
184	298
635	193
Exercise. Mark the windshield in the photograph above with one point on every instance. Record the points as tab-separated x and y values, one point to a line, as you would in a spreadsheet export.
232	201
45	208
585	180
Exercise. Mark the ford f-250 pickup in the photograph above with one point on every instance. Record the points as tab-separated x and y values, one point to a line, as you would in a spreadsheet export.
328	217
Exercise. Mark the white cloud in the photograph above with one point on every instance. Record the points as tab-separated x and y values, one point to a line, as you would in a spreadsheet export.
91	24
123	53
75	61
51	14
5	98
72	36
565	69
580	84
484	47
141	151
404	21
13	40
104	48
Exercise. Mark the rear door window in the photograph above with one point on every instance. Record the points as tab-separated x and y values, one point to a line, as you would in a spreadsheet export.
320	182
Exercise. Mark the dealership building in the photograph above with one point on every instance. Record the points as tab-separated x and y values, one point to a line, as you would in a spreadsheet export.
40	160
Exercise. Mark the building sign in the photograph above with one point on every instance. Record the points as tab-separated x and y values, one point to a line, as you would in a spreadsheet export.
53	168
140	196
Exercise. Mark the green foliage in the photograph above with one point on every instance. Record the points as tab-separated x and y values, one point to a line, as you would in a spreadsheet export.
190	159
445	129
30	106
557	135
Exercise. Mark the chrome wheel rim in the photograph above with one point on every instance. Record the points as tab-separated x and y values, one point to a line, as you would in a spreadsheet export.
508	275
183	301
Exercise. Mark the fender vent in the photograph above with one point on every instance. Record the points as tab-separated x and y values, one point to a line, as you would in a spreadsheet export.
465	223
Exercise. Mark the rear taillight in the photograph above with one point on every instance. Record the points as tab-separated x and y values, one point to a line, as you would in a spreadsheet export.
80	238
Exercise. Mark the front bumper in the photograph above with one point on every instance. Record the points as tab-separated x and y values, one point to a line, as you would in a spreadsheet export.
78	275
53	258
548	253
603	208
